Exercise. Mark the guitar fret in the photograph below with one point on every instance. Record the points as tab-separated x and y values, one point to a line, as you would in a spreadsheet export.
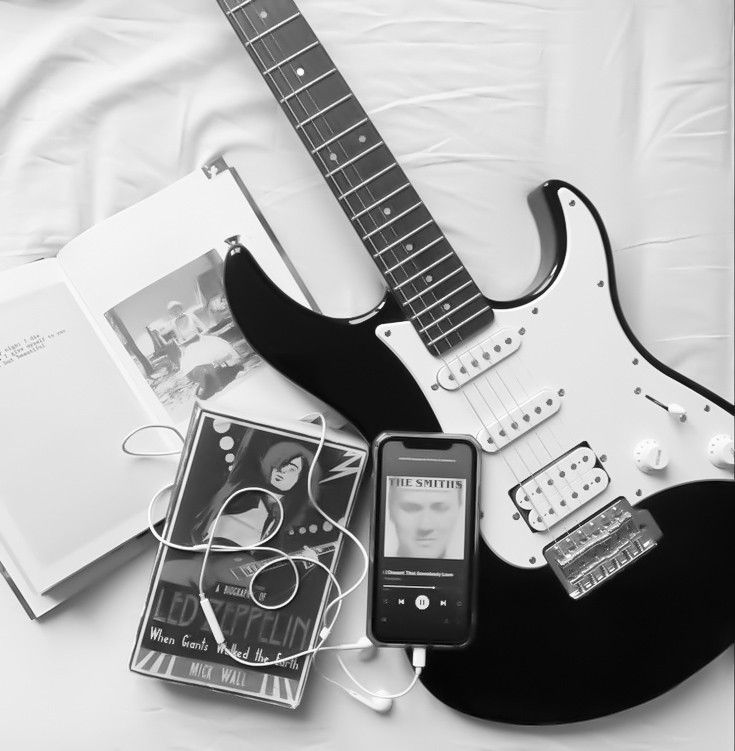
308	47
377	203
339	135
354	159
380	205
322	111
394	219
423	271
405	237
298	91
413	255
435	284
451	312
270	30
441	300
459	325
344	195
230	11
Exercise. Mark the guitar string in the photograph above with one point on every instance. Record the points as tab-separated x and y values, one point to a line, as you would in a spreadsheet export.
308	93
508	390
581	477
539	489
537	433
521	484
395	257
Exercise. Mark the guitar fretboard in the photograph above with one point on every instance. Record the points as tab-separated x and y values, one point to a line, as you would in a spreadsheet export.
417	262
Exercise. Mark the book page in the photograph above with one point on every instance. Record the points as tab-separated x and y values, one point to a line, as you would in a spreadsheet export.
152	279
68	494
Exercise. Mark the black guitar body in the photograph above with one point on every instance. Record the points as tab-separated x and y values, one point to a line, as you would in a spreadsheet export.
637	636
340	360
538	656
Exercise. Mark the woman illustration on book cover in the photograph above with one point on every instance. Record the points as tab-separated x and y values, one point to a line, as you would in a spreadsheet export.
283	469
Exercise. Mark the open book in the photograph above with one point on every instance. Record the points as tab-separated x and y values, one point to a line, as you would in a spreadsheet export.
127	326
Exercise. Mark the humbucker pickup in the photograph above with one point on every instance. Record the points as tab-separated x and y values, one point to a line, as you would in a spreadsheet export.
478	360
601	547
560	488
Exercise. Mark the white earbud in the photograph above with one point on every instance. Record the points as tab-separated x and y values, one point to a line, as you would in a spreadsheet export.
381	704
368	652
365	649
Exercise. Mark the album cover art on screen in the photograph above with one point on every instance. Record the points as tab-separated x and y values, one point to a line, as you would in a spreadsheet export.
222	455
424	517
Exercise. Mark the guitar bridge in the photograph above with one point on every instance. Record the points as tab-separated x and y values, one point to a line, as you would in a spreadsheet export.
601	547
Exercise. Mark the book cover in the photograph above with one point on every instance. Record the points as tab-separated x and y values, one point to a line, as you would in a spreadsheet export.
224	454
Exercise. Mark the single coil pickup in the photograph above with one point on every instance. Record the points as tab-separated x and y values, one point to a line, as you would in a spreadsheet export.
601	547
478	360
519	421
550	495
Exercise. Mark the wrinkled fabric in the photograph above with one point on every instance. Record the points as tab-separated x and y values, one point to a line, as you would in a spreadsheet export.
103	102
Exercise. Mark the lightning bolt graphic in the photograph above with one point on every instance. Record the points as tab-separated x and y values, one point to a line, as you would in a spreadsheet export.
349	466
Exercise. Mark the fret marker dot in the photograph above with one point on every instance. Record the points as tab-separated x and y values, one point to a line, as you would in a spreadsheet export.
333	157
446	306
428	278
409	247
300	72
386	212
362	138
263	14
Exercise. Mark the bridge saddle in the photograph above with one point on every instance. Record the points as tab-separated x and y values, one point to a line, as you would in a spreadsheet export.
601	547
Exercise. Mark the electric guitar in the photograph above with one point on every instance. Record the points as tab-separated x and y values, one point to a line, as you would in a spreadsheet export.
278	581
606	507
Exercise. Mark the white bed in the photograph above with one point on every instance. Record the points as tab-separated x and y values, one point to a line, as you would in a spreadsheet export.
103	102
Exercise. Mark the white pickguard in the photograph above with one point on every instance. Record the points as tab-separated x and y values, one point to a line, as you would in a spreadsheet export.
573	341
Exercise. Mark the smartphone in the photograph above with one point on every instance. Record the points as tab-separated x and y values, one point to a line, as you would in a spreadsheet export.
422	583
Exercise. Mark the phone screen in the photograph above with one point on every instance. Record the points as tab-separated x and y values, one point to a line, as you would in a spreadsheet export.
424	541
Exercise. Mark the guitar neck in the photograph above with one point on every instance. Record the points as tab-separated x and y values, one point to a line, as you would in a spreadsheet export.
254	566
420	267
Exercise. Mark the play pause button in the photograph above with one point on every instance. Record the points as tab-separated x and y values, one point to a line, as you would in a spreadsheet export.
422	602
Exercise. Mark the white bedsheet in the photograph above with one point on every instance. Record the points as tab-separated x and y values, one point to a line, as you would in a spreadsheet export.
103	102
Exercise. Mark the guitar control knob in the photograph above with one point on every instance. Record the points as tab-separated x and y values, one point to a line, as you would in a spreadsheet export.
650	457
721	451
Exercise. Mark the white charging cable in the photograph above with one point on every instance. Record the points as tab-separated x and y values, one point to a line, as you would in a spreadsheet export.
381	701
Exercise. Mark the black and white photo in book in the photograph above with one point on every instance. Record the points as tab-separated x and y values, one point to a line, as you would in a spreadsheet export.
224	455
425	517
180	334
